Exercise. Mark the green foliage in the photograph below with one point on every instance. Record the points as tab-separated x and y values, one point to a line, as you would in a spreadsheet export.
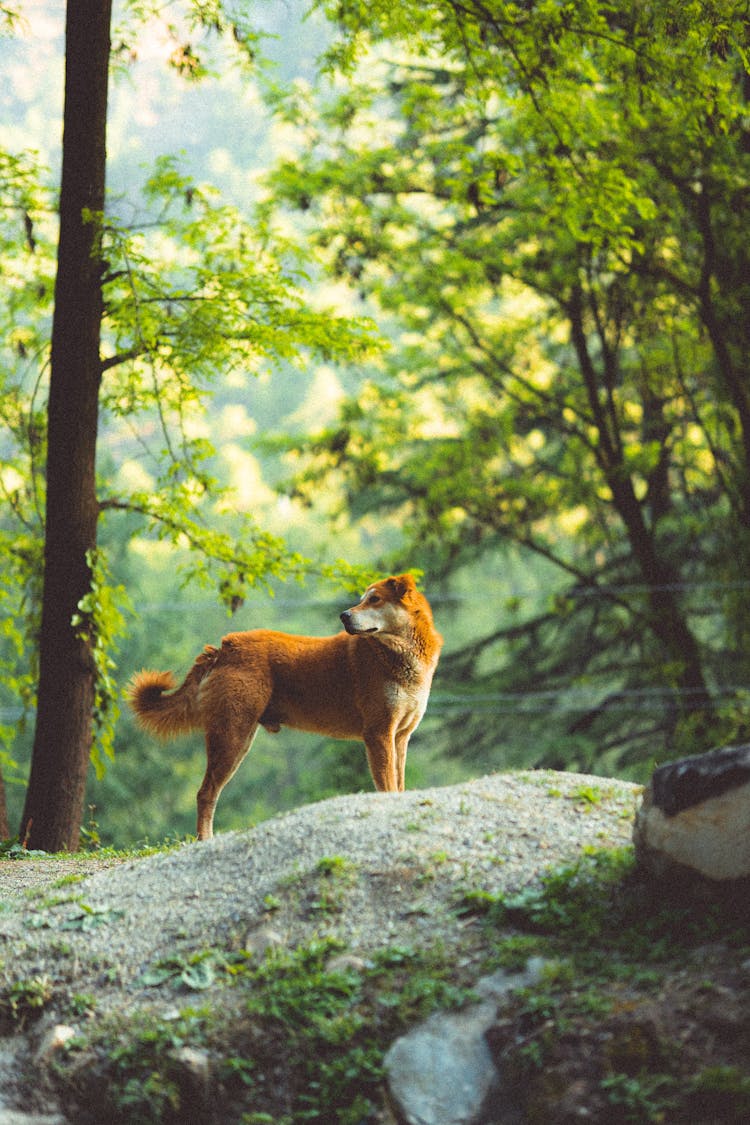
336	876
194	292
601	902
14	849
331	1026
538	227
81	917
100	623
197	972
640	1098
26	999
616	982
27	275
143	1074
573	901
300	1039
206	293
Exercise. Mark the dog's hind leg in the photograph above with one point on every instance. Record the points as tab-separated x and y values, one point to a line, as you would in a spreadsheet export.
224	754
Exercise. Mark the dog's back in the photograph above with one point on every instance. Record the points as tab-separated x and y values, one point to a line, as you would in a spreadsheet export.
308	683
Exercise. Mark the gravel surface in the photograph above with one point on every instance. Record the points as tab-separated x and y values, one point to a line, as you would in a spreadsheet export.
19	878
370	869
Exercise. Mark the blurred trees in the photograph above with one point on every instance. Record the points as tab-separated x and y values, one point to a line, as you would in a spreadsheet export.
548	203
144	316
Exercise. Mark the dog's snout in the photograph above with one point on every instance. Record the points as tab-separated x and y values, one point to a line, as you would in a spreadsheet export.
346	620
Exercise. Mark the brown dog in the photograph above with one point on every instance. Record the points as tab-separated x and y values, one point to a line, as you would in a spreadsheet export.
370	683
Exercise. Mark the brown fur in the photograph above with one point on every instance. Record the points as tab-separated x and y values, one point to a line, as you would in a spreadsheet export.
370	683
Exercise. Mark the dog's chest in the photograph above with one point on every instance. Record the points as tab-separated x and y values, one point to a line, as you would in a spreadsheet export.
409	701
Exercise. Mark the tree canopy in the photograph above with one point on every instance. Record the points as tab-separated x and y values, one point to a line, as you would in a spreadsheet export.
548	203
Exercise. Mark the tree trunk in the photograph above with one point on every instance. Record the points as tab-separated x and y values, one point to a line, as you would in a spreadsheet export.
62	743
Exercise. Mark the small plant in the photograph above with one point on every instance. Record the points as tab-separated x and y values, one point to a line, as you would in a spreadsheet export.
198	972
589	794
68	880
89	918
90	835
641	1098
26	999
82	1004
139	1061
513	953
14	849
335	866
239	1068
336	876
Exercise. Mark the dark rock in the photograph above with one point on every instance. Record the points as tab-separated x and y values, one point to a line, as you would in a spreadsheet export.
695	818
687	782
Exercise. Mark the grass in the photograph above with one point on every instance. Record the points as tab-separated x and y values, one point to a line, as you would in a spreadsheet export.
13	849
616	1011
297	1038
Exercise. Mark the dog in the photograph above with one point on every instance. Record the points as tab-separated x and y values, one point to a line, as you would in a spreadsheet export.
370	683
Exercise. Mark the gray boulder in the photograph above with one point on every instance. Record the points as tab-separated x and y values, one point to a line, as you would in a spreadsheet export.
695	817
442	1072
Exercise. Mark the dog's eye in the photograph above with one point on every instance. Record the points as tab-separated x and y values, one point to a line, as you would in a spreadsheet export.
373	599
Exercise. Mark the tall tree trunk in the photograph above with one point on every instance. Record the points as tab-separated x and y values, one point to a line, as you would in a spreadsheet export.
62	743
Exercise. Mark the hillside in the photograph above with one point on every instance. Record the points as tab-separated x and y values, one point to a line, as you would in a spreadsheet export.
262	976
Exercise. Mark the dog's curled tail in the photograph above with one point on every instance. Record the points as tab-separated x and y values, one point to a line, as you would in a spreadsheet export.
167	715
164	715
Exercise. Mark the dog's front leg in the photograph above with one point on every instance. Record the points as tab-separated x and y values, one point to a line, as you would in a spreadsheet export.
381	757
402	745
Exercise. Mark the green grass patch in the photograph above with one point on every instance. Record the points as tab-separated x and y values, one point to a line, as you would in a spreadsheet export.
602	904
299	1037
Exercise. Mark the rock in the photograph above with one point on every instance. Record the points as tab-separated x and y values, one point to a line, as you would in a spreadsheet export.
695	817
442	1072
259	941
194	1078
690	781
53	1040
17	1117
345	962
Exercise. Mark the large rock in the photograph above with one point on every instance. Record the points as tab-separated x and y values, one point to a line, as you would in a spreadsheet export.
695	816
442	1072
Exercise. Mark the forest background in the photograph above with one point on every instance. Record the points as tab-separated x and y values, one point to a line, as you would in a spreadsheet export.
542	210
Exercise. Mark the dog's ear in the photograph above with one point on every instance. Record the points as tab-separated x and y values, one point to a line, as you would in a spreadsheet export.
401	585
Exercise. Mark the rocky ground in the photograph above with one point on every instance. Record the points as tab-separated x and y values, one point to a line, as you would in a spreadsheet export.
384	889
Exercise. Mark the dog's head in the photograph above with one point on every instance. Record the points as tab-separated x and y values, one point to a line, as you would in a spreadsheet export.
385	607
